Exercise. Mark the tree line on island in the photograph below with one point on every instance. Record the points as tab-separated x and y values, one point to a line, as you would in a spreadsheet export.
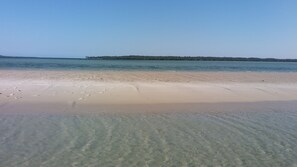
188	58
176	58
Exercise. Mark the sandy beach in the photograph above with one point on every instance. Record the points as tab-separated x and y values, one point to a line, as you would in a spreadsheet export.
73	89
111	118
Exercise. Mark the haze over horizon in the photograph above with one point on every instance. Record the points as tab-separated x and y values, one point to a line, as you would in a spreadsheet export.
230	28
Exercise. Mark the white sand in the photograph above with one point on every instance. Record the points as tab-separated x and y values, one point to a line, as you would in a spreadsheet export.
75	88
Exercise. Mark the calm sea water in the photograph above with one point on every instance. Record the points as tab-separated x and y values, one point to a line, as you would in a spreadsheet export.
77	64
251	138
230	139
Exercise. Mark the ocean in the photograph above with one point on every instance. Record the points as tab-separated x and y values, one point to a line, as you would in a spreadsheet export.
248	135
147	65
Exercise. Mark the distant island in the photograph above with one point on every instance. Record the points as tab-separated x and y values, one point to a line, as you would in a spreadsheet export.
188	58
2	56
29	57
174	58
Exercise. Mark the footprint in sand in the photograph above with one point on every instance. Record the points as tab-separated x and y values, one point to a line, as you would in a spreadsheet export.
103	91
10	95
73	104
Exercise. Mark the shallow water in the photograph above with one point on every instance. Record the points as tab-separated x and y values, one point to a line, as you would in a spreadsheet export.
147	65
230	138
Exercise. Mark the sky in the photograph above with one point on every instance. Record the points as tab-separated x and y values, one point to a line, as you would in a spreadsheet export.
79	28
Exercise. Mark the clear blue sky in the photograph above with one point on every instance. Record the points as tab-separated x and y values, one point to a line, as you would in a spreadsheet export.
78	28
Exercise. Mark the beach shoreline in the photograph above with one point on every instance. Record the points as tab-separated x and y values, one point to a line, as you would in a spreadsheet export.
75	89
55	117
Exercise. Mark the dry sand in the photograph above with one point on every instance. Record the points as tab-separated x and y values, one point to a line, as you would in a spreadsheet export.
72	89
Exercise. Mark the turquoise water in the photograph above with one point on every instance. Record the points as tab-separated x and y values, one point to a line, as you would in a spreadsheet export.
179	138
81	64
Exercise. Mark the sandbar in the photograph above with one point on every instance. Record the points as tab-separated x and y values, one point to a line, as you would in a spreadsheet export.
75	89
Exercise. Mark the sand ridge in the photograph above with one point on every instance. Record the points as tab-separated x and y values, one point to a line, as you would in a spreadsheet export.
56	87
